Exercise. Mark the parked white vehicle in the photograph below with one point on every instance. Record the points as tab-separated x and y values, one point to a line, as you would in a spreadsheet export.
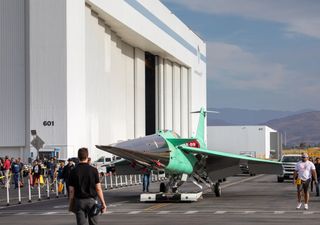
103	160
288	162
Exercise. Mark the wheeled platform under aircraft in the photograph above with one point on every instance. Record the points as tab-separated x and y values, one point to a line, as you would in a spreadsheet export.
184	158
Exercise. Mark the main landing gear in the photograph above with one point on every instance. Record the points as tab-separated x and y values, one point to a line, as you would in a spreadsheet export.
217	189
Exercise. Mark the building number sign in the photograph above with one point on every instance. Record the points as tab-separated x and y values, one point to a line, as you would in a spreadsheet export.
48	123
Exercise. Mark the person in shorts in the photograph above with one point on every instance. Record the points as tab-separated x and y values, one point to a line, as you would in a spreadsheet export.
304	171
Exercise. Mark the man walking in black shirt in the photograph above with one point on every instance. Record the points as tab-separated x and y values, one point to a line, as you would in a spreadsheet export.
84	188
66	173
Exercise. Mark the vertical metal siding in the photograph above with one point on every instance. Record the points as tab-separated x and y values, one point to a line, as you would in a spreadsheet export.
12	73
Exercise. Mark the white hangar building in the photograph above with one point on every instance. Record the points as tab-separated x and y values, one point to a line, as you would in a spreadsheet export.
256	141
89	72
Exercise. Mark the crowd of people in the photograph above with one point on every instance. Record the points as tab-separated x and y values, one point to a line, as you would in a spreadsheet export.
82	181
11	167
15	170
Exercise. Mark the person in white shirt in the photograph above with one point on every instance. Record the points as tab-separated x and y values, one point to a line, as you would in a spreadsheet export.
303	173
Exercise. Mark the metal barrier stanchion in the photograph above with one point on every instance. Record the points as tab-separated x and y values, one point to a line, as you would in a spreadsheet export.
121	184
116	180
152	177
65	189
135	179
39	191
8	195
57	191
131	179
29	190
126	180
48	188
105	182
139	178
111	183
19	191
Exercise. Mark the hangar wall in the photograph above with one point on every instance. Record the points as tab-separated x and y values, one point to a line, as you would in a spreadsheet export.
78	74
47	58
115	87
155	28
12	78
111	85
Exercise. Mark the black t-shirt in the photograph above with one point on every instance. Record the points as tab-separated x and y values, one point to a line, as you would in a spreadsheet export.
84	179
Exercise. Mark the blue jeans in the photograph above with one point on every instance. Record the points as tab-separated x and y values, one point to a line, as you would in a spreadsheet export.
146	182
16	179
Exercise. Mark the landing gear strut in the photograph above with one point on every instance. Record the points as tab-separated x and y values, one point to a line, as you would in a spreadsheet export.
217	189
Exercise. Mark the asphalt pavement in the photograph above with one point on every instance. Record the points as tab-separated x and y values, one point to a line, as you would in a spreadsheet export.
244	200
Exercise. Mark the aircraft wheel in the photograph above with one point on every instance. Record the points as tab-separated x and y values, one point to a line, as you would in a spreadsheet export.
162	187
217	190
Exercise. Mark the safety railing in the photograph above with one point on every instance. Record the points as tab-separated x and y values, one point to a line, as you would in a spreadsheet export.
46	189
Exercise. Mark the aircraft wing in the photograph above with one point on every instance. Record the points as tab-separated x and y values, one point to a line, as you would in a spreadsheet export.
221	164
134	161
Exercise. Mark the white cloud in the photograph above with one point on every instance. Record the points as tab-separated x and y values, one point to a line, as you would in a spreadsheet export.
299	16
236	68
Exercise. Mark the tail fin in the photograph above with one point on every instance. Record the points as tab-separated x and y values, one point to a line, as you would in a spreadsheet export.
201	123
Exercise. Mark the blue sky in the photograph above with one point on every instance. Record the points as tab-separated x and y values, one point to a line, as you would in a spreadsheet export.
260	54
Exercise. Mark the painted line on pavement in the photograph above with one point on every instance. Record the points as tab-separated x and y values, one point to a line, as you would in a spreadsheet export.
157	206
279	212
249	212
163	212
308	213
134	212
220	212
191	212
65	213
242	181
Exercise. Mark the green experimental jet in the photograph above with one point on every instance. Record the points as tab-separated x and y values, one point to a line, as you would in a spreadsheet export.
183	158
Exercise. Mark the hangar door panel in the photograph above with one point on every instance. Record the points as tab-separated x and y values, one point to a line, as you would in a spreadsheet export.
109	84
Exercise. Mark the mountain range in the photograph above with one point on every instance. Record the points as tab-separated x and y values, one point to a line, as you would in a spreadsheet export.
296	126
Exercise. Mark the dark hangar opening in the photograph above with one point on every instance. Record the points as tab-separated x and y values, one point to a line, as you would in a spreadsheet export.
150	87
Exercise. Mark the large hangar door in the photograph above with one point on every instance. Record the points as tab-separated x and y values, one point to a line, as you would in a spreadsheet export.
150	87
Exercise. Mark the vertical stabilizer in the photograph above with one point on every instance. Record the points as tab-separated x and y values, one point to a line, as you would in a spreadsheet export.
201	125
